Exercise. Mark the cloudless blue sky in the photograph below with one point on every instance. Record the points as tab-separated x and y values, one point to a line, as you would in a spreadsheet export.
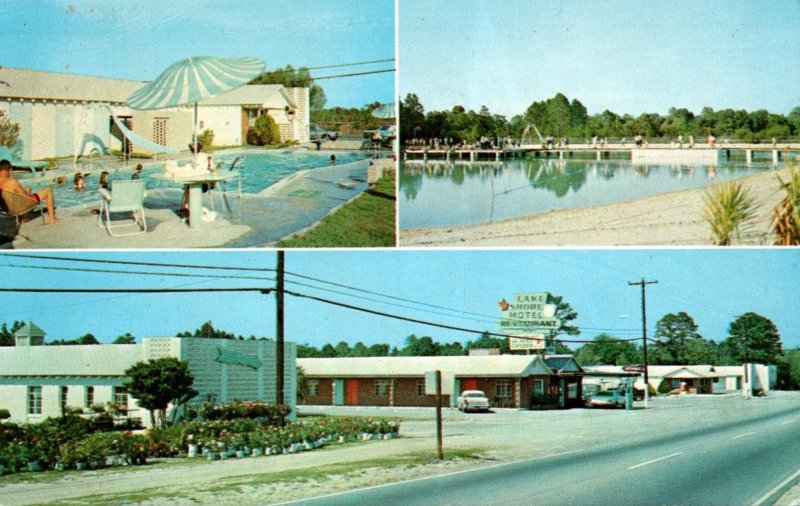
625	56
712	285
137	39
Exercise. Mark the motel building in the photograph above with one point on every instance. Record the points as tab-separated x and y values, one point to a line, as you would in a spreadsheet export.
69	115
39	381
509	381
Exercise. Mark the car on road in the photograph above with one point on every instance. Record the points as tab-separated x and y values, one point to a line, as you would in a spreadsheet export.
607	398
473	400
317	133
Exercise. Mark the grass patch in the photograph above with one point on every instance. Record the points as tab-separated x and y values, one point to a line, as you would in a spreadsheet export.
362	467
367	221
245	483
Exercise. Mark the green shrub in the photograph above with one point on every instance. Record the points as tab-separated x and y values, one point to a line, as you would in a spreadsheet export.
730	210
665	387
265	131
4	414
206	138
786	216
269	414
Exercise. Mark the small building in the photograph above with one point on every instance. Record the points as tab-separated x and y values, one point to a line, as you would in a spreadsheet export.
63	115
694	379
512	381
38	381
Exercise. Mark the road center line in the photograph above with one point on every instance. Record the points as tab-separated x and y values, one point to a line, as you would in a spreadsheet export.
743	435
788	422
654	461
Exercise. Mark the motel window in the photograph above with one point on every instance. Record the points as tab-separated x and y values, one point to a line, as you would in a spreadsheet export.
89	397
120	397
312	387
382	387
64	395
538	387
503	389
676	383
35	400
420	387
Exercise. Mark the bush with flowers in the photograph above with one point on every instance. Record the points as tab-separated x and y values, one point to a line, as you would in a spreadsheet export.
238	428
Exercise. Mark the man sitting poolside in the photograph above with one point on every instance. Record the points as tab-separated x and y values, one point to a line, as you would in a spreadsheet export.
9	184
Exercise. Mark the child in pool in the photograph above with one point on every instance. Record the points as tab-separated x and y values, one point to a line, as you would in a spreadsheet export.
79	184
104	180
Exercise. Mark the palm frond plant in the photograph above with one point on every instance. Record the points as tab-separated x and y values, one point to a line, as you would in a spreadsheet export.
786	220
730	210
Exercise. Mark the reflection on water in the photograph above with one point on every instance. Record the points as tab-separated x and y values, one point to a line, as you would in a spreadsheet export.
438	194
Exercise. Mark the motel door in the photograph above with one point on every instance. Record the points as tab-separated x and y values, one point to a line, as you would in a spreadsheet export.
469	384
352	392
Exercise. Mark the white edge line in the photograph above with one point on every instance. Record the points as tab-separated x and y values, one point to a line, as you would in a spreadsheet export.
775	489
743	435
788	422
454	473
654	461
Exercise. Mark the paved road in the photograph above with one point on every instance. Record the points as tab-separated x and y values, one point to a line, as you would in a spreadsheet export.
735	463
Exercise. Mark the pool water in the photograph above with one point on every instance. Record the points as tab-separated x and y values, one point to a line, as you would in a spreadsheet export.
440	194
259	170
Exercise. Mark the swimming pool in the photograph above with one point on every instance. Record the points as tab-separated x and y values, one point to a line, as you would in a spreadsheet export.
259	170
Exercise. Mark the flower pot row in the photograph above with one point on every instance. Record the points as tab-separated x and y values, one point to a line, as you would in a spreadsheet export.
221	452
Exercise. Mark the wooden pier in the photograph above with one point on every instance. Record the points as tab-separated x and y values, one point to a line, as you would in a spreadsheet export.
653	153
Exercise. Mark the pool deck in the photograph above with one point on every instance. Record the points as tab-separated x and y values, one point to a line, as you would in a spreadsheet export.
293	204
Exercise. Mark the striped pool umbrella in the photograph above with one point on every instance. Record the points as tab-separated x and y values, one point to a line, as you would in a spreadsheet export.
384	111
195	79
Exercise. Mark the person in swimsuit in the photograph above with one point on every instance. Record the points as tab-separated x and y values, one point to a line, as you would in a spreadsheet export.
9	184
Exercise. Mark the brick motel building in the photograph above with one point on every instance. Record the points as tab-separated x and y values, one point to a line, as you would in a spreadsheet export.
511	381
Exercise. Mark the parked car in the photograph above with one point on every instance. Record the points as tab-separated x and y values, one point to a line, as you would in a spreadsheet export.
385	134
317	133
607	398
473	400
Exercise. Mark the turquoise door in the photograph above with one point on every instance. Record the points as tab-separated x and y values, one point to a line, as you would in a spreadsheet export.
338	392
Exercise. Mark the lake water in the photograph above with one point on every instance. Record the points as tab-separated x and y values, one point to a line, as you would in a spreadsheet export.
440	194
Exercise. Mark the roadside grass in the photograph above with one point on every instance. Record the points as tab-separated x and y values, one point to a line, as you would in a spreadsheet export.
51	476
246	484
367	221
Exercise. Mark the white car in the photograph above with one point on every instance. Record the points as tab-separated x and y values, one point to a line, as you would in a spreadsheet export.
473	400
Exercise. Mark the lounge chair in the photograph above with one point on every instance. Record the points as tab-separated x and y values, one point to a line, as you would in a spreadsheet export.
125	197
19	205
6	154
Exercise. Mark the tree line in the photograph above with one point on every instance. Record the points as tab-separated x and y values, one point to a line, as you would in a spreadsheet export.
348	121
676	341
561	117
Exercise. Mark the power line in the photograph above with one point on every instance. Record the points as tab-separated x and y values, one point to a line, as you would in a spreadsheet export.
472	316
264	291
346	64
130	262
355	74
415	320
142	273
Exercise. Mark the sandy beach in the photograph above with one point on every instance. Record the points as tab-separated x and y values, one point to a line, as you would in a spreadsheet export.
666	219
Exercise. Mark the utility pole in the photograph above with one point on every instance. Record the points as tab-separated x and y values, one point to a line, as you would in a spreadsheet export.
279	333
644	336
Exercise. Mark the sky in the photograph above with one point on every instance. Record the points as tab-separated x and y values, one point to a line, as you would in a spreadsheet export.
457	287
625	56
138	39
